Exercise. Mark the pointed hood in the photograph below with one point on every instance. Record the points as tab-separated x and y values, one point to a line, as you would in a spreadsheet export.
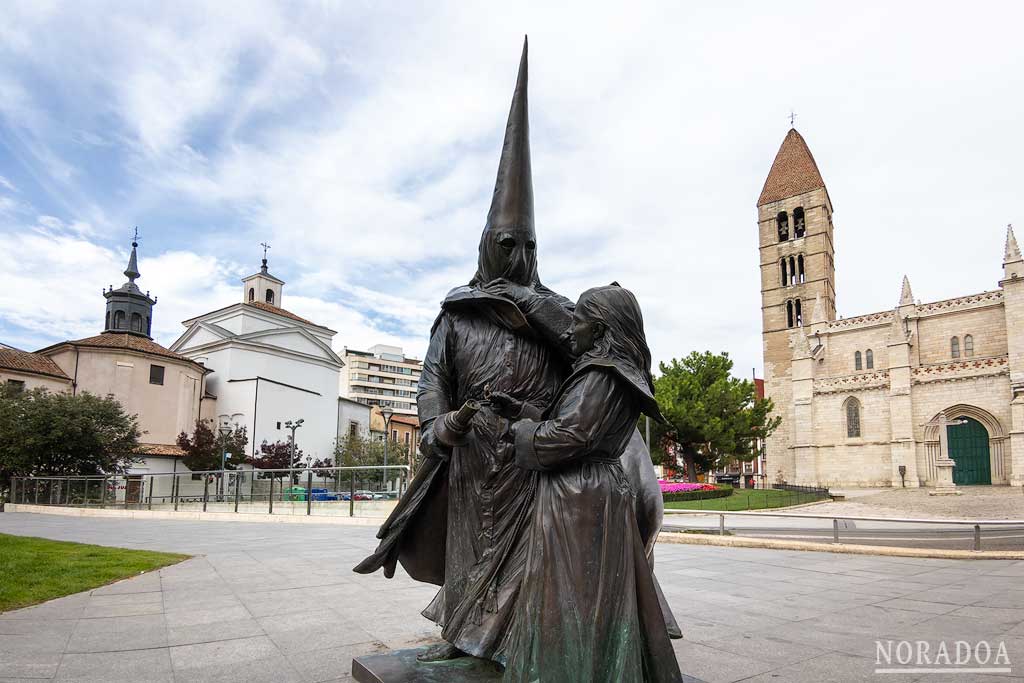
793	171
818	315
906	296
132	271
508	244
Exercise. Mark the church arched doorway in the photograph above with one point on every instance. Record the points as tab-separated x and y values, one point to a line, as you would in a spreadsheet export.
968	448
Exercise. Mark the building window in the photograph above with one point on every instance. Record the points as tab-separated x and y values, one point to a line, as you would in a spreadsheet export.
857	361
119	320
136	322
16	384
156	374
869	359
270	296
252	294
852	418
954	347
394	435
106	320
800	269
798	222
799	313
353	428
783	271
789	314
792	271
782	222
968	345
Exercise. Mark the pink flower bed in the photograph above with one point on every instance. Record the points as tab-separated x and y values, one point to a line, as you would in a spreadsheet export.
673	487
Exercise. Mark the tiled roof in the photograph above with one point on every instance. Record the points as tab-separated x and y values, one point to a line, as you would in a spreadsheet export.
793	171
269	308
410	420
159	449
122	340
24	361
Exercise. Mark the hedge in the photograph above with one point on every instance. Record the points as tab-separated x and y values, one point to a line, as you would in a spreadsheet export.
721	491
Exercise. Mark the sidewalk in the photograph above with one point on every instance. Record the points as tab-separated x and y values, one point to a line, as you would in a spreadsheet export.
271	602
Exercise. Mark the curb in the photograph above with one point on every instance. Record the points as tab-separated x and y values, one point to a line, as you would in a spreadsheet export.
196	516
850	549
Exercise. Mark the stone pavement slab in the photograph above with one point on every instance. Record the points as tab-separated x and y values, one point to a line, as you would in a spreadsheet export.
272	602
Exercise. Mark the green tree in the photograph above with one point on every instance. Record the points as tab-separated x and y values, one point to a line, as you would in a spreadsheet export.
205	448
711	414
44	433
359	451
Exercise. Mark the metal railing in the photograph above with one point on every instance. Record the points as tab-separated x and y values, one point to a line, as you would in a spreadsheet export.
976	524
322	490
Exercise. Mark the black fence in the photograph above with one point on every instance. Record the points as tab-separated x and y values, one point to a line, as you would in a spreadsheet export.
816	490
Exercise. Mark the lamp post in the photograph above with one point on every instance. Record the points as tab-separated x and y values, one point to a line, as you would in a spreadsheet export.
224	430
387	413
291	455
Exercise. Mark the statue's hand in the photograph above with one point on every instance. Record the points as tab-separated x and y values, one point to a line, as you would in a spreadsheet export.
513	291
430	447
508	407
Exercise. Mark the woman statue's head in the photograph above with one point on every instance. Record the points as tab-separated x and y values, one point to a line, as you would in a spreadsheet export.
607	323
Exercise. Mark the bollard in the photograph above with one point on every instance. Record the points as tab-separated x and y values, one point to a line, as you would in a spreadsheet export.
206	490
238	490
977	537
270	509
721	525
149	500
309	491
352	496
174	492
835	531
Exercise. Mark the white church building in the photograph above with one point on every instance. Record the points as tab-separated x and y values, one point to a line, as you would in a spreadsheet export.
268	366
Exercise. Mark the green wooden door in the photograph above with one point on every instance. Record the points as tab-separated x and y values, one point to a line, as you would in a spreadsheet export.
968	447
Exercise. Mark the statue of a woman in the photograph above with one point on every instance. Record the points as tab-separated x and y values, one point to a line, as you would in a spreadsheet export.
588	609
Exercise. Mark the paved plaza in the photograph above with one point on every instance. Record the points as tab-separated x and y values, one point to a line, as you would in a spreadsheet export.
272	602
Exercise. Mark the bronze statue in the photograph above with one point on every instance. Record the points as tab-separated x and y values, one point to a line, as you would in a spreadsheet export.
462	524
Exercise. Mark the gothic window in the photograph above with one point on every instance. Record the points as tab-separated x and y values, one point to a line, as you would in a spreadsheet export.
800	269
792	270
270	296
782	269
119	320
869	359
136	322
968	345
789	314
252	294
798	222
852	418
782	222
857	361
799	315
954	347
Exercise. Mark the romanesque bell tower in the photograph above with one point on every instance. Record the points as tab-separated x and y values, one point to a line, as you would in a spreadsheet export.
794	218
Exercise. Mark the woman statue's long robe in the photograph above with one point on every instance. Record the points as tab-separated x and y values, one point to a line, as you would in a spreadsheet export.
589	608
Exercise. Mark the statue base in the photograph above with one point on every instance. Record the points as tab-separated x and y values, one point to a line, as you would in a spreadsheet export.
401	666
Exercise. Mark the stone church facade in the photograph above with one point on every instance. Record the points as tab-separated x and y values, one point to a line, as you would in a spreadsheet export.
859	397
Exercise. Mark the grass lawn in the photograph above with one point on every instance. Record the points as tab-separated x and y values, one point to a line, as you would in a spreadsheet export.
33	570
748	499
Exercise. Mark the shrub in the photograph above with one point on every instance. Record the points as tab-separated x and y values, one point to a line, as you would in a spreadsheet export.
722	491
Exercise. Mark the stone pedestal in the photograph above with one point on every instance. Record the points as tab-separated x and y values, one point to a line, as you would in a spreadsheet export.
944	485
401	666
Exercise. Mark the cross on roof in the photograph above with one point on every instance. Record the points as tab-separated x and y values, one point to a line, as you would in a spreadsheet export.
135	237
265	247
792	118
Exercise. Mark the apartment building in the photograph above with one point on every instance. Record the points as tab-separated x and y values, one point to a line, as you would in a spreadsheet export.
381	376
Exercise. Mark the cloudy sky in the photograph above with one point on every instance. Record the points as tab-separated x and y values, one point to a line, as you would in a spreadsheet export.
361	140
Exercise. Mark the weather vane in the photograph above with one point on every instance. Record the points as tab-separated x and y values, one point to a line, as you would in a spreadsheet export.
792	118
265	247
135	238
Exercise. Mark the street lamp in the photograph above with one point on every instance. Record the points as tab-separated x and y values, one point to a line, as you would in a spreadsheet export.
291	457
224	430
387	414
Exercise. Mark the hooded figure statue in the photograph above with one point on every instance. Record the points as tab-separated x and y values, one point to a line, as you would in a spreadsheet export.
461	523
